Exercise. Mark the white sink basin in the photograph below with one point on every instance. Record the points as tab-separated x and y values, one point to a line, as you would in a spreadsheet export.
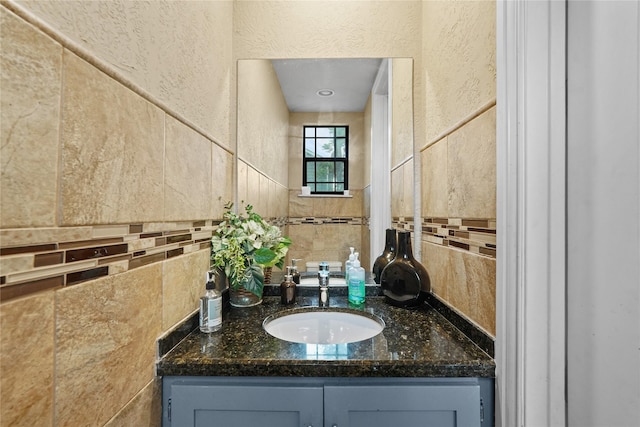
323	327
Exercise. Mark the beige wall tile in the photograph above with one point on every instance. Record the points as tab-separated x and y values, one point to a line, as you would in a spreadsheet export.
30	114
327	242
222	181
435	259
187	176
253	189
300	206
461	288
295	156
112	150
282	199
26	361
435	197
15	263
465	280
262	206
408	185
105	343
397	192
338	206
166	60
302	246
472	168
365	248
182	286
30	236
243	176
144	410
271	200
481	271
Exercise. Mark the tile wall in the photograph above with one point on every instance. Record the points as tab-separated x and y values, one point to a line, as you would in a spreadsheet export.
458	224
323	228
458	156
108	202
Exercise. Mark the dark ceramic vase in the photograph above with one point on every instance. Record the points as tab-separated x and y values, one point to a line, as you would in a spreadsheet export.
404	281
386	256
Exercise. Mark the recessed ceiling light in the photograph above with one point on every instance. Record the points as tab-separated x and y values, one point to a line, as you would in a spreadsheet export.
325	92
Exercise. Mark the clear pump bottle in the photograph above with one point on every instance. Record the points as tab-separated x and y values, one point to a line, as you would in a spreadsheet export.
356	282
348	264
211	306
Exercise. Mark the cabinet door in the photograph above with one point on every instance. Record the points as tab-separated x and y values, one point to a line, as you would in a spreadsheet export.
245	406
406	406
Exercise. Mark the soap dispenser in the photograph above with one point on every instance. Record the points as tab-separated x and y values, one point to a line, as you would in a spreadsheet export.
210	306
348	264
356	282
295	274
288	289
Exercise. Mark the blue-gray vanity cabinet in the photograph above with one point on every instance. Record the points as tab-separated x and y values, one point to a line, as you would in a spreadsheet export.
328	402
420	405
226	402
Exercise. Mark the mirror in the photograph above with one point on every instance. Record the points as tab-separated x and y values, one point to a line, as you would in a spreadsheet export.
374	98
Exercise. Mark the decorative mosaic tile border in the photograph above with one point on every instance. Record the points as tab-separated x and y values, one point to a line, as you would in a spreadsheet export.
58	257
34	260
402	223
473	235
314	220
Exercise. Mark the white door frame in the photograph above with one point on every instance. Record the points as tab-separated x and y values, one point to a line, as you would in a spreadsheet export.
380	201
531	213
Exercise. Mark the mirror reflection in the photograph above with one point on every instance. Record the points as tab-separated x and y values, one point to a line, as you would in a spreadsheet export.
316	141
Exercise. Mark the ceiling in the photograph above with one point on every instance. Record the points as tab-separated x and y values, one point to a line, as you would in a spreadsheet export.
350	79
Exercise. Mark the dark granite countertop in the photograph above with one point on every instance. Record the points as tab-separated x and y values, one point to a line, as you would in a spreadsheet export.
414	343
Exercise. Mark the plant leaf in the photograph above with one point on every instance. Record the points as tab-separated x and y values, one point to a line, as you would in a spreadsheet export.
254	280
265	257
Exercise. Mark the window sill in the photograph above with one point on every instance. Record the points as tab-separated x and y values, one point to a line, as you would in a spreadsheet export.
327	195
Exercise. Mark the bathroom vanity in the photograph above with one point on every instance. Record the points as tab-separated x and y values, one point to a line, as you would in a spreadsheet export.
419	371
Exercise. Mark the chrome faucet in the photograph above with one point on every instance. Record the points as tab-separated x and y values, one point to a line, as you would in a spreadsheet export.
323	280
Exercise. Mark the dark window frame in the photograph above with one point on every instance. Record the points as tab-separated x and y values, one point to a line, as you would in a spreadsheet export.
308	160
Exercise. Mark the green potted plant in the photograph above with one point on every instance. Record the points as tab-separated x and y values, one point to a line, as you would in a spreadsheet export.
243	246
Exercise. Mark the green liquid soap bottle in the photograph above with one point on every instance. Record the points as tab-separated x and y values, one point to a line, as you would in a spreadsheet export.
356	282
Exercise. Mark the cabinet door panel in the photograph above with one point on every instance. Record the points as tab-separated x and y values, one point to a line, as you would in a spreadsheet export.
228	418
240	406
406	406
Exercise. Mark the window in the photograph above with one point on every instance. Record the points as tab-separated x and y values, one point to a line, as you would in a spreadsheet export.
326	159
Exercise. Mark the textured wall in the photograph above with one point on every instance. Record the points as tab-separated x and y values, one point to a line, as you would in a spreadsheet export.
459	70
107	198
317	29
159	46
401	110
263	120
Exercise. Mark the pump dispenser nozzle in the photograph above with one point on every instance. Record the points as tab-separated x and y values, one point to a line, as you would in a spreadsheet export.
288	289
295	274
